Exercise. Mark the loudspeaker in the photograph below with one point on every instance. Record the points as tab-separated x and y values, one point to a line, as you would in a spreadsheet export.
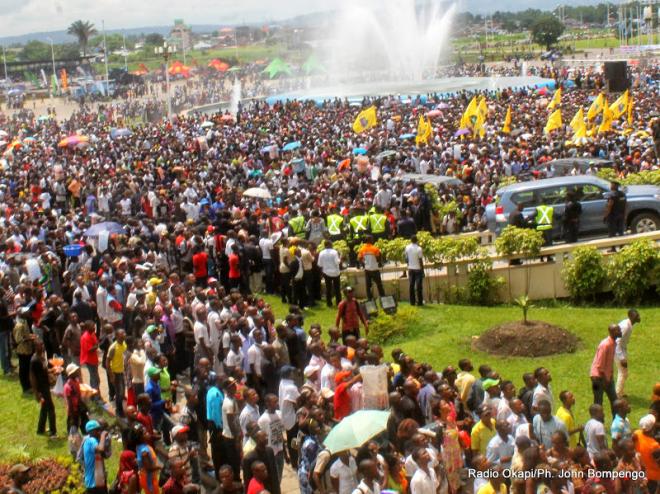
616	75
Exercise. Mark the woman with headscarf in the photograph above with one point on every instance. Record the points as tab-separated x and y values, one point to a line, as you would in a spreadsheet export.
311	445
127	481
649	450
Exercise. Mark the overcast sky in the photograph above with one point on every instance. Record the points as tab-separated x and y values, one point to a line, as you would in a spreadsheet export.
18	17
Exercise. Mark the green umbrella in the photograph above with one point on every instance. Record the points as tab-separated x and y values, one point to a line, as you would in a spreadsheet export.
356	429
277	67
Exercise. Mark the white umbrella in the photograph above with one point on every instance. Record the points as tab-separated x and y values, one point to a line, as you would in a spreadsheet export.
207	124
3	133
257	192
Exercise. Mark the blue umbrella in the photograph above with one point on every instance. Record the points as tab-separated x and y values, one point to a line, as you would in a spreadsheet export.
267	149
291	146
406	136
115	133
14	91
359	151
462	132
105	226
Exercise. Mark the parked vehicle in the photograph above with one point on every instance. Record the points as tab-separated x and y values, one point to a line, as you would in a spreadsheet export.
642	203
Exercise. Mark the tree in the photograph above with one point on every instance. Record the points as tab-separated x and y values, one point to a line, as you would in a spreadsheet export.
154	39
35	50
546	30
83	31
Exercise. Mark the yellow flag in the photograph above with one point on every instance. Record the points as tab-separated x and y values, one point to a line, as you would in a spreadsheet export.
578	121
482	113
596	107
630	111
579	134
469	113
424	130
554	122
365	120
556	100
620	106
506	128
608	118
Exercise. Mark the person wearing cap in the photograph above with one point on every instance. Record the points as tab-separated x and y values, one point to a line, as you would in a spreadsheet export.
93	458
647	447
483	431
344	380
349	316
152	388
76	411
181	451
19	475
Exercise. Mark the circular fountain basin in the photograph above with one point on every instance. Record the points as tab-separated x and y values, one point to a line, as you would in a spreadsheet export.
411	89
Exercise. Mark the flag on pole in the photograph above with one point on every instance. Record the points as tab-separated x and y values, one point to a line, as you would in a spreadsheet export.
506	128
630	111
469	117
424	130
556	100
65	80
554	122
365	120
596	107
45	79
608	118
53	83
620	106
578	121
482	113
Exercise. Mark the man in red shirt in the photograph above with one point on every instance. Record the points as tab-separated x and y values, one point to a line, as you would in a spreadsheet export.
200	260
174	484
602	367
234	268
89	356
350	315
259	476
342	399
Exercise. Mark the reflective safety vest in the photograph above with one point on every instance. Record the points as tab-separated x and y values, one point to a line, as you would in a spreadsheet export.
334	223
297	224
359	224
377	223
544	217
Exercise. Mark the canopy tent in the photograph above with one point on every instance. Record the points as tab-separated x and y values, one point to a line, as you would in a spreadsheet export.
218	65
178	68
141	70
277	67
312	65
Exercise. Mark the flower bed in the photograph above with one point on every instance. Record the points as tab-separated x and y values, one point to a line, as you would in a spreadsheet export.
50	475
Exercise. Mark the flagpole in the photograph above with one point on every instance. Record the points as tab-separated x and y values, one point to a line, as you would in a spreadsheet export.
105	56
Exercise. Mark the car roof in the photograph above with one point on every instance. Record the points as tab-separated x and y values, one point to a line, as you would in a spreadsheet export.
549	182
579	161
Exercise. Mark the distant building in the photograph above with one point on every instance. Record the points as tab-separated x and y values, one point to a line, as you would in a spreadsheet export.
181	34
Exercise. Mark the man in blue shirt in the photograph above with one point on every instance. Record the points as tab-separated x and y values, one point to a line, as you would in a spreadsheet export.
621	428
214	400
152	388
93	448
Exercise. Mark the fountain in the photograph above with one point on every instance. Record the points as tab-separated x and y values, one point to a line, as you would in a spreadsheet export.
235	97
386	47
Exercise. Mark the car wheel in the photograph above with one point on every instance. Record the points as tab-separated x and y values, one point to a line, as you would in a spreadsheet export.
645	222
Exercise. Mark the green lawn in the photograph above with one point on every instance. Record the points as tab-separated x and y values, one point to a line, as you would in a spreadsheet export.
444	333
441	337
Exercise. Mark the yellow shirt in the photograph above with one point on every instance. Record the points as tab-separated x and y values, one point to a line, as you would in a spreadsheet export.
489	489
464	382
566	416
481	436
116	363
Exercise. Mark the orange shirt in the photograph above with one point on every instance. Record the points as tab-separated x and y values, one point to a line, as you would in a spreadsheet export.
645	446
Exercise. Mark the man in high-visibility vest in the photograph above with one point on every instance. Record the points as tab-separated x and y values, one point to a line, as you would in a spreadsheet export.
335	224
297	225
378	224
359	226
543	222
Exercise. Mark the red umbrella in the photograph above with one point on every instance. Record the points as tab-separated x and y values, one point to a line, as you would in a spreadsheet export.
218	65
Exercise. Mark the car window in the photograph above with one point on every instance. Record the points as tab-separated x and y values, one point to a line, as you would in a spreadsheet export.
589	192
552	195
526	198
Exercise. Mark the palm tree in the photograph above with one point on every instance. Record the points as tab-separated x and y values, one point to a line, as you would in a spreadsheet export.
83	31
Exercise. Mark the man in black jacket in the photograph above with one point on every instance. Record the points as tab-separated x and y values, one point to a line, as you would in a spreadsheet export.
264	453
41	388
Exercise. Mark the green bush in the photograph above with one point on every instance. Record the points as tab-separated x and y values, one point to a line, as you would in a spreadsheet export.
386	328
647	177
341	246
519	241
393	250
585	273
481	286
631	270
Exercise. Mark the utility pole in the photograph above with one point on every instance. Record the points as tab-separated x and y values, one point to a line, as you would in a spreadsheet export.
4	61
125	54
52	55
105	56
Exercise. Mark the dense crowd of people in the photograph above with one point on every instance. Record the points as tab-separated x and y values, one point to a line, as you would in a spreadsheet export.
139	260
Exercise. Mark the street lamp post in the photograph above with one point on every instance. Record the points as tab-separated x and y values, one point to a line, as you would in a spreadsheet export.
166	51
52	54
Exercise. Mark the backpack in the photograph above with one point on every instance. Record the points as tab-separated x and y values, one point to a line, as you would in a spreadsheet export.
323	473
